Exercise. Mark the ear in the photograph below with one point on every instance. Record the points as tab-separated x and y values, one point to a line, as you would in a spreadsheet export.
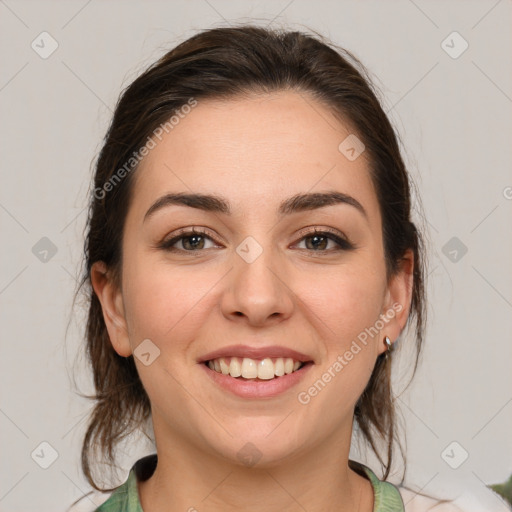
397	299
111	300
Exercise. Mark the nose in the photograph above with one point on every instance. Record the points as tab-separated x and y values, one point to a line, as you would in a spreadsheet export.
257	292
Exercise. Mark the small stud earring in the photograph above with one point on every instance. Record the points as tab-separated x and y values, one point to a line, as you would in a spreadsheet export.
388	343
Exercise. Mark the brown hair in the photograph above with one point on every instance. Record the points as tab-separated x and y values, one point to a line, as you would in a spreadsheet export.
224	63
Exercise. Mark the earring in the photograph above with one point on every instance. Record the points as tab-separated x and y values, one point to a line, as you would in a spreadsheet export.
388	343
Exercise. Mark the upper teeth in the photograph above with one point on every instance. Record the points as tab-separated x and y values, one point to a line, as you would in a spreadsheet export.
252	368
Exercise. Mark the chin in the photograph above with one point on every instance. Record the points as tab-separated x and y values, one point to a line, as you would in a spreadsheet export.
259	449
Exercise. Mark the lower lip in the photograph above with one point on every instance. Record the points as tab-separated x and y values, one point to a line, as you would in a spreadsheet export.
257	388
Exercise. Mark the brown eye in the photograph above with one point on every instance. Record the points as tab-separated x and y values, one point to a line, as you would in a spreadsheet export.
191	241
318	241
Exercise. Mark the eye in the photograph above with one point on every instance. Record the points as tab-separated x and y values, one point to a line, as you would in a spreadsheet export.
191	241
318	241
195	240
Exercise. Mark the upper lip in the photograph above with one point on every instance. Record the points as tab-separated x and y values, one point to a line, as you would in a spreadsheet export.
258	353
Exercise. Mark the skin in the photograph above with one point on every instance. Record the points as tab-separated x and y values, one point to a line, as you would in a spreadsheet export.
254	151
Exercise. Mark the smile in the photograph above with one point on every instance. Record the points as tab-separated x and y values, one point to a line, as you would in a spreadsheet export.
247	368
256	387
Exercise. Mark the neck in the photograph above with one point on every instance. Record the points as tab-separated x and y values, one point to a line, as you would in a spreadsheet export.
192	480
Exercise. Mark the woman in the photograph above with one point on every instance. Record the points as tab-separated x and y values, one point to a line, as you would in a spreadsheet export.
252	263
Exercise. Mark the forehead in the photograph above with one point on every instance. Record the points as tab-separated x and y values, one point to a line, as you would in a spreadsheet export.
254	149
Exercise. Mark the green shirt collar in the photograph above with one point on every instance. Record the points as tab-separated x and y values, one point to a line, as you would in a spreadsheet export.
125	498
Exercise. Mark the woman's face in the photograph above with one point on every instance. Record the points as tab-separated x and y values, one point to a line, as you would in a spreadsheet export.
256	283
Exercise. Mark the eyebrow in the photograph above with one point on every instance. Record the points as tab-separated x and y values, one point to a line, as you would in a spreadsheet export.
218	204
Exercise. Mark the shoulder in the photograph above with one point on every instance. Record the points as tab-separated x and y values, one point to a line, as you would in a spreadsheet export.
124	498
386	496
89	502
449	496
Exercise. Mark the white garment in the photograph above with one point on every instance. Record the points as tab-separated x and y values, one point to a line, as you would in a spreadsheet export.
467	502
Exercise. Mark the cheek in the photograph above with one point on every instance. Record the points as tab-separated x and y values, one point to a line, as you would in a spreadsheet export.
155	298
167	303
346	300
346	304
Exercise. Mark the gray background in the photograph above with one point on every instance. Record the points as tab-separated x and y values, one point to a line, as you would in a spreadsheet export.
454	117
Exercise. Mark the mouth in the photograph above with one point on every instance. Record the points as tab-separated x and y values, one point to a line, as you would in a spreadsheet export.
253	369
248	378
256	373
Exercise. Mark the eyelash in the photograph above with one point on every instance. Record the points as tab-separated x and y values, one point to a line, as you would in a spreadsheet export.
343	243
